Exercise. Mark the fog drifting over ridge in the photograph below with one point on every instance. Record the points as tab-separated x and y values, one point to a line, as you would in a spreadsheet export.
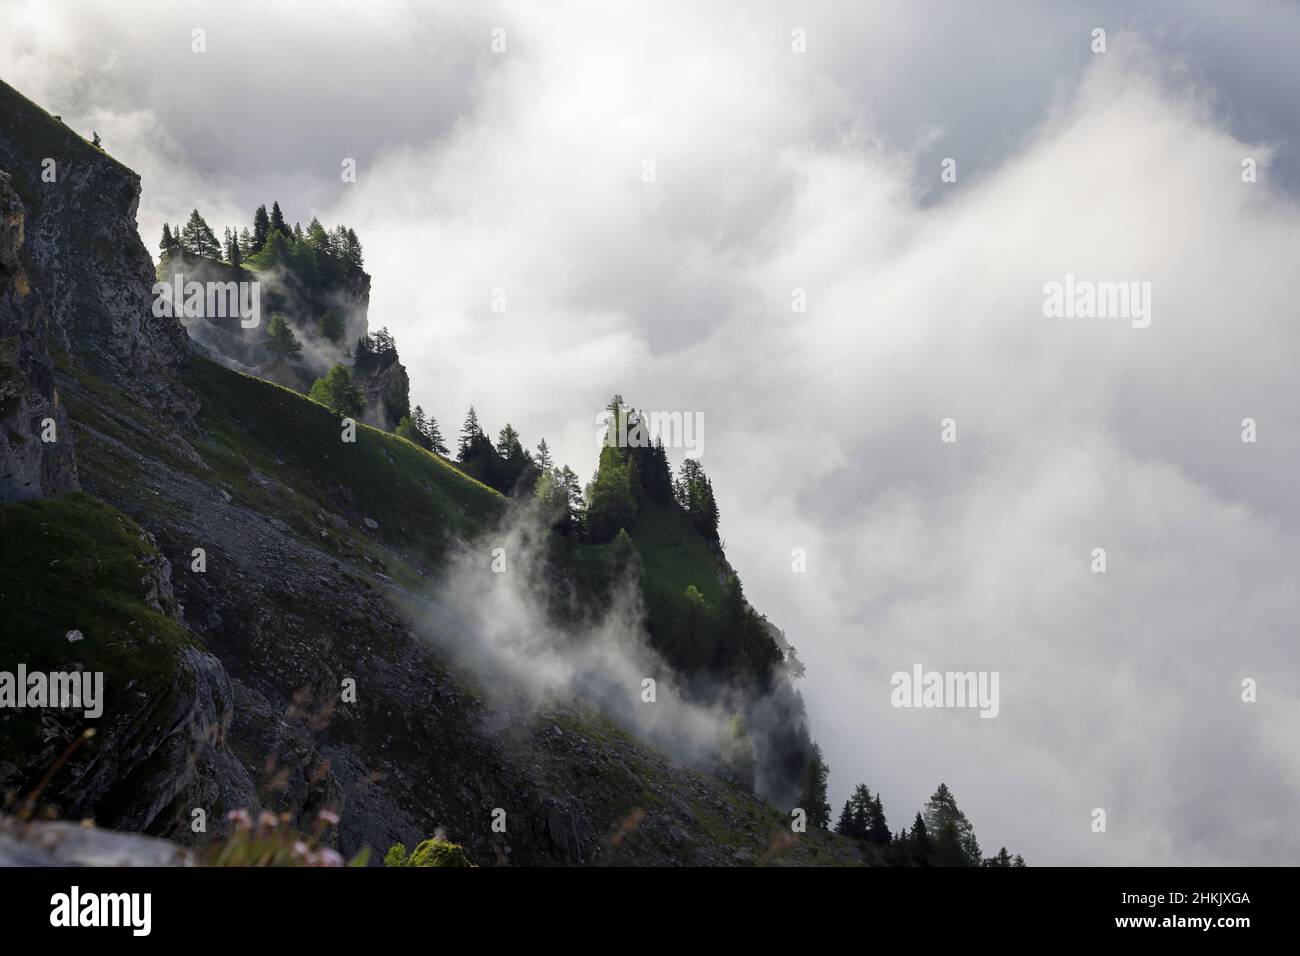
820	171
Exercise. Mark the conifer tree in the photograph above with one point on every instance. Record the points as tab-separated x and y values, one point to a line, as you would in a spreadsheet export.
918	841
611	500
280	340
245	243
1002	859
277	221
198	238
276	251
352	249
470	433
695	495
947	849
508	445
879	831
261	228
942	808
900	849
406	429
812	794
845	824
573	491
544	461
337	393
434	436
862	810
330	325
166	245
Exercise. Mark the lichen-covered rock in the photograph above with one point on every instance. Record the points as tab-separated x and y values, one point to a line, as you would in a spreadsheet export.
438	852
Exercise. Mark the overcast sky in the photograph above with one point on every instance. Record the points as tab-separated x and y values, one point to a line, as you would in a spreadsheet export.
778	170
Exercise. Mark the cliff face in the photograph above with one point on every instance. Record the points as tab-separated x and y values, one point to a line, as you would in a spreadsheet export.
82	249
386	388
75	279
31	464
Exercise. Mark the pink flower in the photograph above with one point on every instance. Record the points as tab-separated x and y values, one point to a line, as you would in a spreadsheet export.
329	816
241	819
266	819
328	857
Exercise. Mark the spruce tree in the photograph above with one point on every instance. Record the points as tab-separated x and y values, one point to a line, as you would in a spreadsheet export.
1001	859
166	245
261	228
879	832
918	842
900	849
573	491
611	501
947	846
544	461
942	808
509	446
470	433
695	495
352	249
434	436
198	238
812	794
845	824
862	810
280	340
277	221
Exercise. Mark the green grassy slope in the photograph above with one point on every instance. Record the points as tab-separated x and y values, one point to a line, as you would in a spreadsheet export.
283	455
418	498
79	566
673	555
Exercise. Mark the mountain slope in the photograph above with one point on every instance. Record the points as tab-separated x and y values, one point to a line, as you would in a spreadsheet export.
261	595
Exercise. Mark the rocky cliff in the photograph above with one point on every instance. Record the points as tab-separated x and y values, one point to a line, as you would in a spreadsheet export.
36	453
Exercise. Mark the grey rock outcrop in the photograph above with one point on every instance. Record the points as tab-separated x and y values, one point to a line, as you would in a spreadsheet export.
36	450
